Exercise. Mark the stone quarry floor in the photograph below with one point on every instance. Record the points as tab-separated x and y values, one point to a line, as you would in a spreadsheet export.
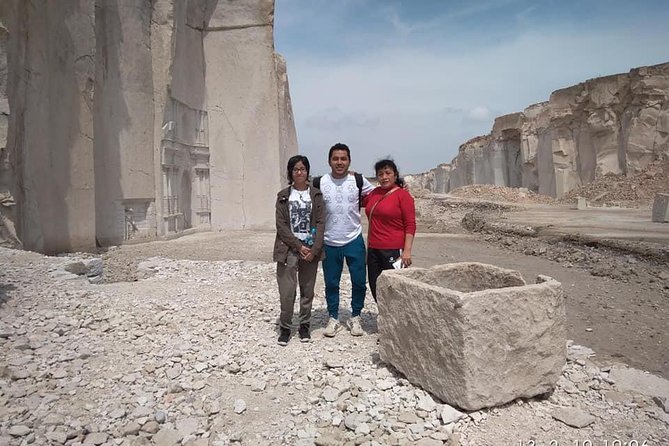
610	223
182	350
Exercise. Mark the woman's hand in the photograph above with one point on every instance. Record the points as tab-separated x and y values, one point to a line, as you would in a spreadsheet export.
306	252
406	258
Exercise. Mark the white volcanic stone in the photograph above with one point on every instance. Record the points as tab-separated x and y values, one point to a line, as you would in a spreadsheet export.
573	417
239	406
190	100
660	212
56	209
242	149
627	379
615	124
19	430
449	414
474	335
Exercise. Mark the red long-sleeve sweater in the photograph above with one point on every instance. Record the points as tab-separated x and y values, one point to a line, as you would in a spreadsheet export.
393	217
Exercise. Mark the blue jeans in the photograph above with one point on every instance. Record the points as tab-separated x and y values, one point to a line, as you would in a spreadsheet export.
333	265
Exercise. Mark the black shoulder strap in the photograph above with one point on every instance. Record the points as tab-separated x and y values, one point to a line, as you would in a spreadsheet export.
358	182
316	182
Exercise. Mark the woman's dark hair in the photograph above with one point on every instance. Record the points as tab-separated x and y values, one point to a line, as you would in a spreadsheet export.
291	165
389	163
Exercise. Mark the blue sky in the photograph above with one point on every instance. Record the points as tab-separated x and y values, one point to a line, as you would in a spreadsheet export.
415	79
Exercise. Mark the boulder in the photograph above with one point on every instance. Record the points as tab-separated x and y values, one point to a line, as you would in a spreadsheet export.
473	335
660	212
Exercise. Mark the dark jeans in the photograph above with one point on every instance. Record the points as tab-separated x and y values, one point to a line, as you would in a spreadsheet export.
333	265
377	261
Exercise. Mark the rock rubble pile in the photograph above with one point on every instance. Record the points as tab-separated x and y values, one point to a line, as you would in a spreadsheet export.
625	191
187	355
501	193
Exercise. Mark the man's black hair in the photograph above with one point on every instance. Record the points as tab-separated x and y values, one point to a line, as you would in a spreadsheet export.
339	146
291	165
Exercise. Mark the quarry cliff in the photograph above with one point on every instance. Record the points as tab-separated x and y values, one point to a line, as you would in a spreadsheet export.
617	124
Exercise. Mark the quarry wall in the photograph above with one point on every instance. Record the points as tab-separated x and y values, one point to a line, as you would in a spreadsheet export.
614	124
127	119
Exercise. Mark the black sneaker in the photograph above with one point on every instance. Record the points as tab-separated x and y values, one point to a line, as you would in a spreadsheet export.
304	333
284	336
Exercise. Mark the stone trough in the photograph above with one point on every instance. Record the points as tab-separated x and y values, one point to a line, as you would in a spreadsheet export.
473	335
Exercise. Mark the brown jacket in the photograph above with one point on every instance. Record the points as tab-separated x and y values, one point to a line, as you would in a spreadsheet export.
285	239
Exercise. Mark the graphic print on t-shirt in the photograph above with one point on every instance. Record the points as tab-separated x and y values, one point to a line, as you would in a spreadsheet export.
299	205
342	216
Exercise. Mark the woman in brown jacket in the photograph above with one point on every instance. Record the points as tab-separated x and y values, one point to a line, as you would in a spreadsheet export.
300	224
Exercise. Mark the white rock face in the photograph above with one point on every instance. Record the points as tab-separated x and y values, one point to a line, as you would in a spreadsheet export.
435	180
244	118
473	335
614	124
8	236
191	107
51	71
124	115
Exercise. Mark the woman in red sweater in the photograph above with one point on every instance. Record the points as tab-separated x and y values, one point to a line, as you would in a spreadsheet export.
392	223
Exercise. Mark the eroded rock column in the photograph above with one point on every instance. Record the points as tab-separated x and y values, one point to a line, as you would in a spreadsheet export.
244	125
124	121
50	50
8	236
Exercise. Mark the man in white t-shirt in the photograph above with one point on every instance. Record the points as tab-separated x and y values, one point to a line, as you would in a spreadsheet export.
343	237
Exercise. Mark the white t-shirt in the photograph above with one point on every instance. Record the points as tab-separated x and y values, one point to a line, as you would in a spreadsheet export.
342	223
299	206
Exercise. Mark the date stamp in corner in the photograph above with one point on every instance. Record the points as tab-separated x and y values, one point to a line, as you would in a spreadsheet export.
585	442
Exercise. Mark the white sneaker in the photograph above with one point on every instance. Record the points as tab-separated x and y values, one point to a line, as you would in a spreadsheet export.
356	329
332	329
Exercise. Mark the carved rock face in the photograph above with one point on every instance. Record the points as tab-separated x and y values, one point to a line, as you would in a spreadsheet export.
191	106
474	335
615	124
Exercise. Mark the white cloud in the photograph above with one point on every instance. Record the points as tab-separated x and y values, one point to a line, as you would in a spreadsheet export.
420	102
479	113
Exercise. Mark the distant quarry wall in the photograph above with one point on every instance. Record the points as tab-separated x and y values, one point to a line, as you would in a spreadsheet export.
615	124
134	119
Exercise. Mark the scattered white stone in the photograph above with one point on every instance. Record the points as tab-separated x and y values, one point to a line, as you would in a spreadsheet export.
240	406
187	426
573	417
426	403
330	394
362	429
334	363
167	437
386	384
96	438
449	414
19	430
258	385
117	413
409	418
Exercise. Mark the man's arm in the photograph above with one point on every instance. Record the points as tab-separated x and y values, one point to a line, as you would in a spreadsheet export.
367	187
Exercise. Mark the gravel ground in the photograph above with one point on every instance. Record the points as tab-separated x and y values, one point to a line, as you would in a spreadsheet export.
176	344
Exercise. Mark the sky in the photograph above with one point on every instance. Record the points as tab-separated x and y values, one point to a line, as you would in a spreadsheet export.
414	79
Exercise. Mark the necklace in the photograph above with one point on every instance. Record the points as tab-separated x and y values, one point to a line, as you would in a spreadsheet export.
300	194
